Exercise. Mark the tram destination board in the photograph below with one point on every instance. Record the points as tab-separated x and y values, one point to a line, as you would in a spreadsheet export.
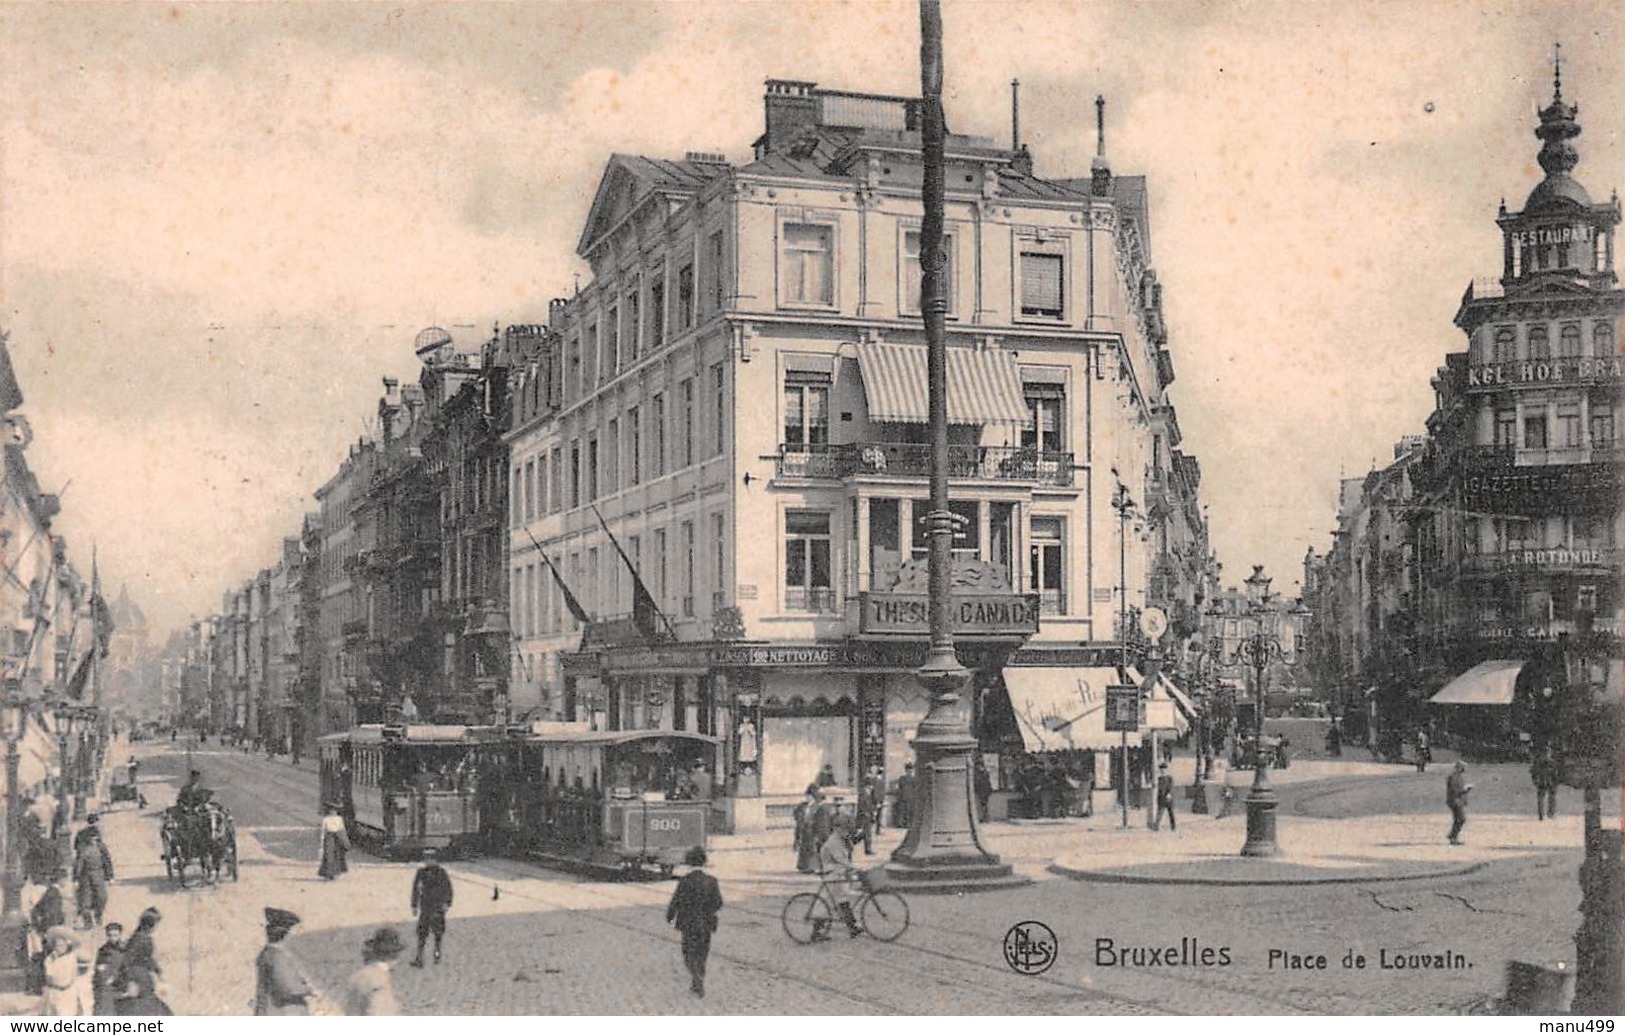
1122	709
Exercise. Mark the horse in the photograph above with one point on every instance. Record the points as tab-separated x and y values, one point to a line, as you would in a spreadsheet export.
205	834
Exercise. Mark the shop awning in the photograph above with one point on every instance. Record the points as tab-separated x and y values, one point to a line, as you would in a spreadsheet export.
984	385
1167	707
1060	708
1489	682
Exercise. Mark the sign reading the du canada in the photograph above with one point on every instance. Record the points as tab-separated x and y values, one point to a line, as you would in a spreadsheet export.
1122	709
971	614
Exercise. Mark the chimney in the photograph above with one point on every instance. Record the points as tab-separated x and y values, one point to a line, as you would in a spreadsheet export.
1100	171
791	111
555	313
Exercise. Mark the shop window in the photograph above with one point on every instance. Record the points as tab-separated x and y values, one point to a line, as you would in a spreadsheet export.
806	264
807	585
910	277
1042	279
1046	568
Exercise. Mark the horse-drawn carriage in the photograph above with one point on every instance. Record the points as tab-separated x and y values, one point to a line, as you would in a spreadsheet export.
201	833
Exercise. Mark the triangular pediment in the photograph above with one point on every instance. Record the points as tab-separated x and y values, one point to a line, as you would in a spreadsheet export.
619	191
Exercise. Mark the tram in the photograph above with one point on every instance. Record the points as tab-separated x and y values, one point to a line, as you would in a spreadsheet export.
607	800
403	788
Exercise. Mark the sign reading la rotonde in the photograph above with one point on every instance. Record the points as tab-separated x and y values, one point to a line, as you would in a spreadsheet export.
1546	371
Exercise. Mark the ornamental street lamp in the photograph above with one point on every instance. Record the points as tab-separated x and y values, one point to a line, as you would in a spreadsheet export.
1257	651
943	849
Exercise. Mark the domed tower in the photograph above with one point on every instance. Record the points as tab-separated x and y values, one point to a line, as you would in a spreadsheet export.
1560	232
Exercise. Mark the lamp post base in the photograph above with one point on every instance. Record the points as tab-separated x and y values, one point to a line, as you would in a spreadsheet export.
943	851
1261	841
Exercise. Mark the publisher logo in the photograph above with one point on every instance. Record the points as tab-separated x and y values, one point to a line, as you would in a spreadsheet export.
1030	947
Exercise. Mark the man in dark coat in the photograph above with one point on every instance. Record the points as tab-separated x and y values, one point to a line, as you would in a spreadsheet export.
693	909
104	978
902	810
92	872
137	994
871	801
431	898
281	988
1544	772
1456	788
46	914
1165	799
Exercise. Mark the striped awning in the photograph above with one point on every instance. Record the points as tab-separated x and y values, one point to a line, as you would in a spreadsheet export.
984	385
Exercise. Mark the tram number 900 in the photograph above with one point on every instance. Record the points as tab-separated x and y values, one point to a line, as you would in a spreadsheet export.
667	825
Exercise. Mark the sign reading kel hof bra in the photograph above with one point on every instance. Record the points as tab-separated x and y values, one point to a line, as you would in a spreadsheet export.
972	614
1545	371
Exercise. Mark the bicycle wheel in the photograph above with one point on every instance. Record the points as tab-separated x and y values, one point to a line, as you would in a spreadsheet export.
885	915
805	914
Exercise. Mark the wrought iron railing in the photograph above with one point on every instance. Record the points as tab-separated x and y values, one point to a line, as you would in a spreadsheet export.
913	460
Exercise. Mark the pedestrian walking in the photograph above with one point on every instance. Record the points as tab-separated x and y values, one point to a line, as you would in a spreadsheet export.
1424	751
92	872
431	899
139	984
370	992
1545	774
805	815
1165	799
62	993
105	973
281	988
902	809
694	905
984	790
335	845
871	802
1456	789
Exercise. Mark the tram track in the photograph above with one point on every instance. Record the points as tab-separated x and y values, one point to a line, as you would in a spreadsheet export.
908	960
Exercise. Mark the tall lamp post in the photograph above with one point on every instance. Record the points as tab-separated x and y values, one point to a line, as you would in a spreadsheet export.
1257	651
13	925
943	849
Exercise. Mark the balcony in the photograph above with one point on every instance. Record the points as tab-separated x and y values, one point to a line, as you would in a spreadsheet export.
913	460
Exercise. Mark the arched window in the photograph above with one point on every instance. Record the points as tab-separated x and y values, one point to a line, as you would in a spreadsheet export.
1568	341
1506	344
1602	339
1540	346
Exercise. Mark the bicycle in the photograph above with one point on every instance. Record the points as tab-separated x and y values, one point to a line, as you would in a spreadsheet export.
881	913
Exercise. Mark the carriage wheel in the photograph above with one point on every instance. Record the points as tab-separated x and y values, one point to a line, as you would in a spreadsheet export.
805	914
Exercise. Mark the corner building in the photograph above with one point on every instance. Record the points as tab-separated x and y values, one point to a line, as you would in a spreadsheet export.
740	393
1519	528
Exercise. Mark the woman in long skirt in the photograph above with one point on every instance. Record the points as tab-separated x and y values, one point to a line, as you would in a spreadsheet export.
335	845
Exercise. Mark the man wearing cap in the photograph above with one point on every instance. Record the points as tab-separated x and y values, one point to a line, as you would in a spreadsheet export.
693	908
431	898
280	986
104	977
92	872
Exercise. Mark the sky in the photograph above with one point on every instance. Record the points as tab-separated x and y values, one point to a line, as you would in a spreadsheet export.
221	224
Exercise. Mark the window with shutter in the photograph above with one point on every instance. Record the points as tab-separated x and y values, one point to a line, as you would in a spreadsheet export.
1041	284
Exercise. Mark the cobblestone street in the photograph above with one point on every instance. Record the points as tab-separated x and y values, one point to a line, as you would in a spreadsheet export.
524	940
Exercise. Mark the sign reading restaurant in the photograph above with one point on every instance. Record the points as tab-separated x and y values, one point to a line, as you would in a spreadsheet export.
972	614
1578	233
1555	371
